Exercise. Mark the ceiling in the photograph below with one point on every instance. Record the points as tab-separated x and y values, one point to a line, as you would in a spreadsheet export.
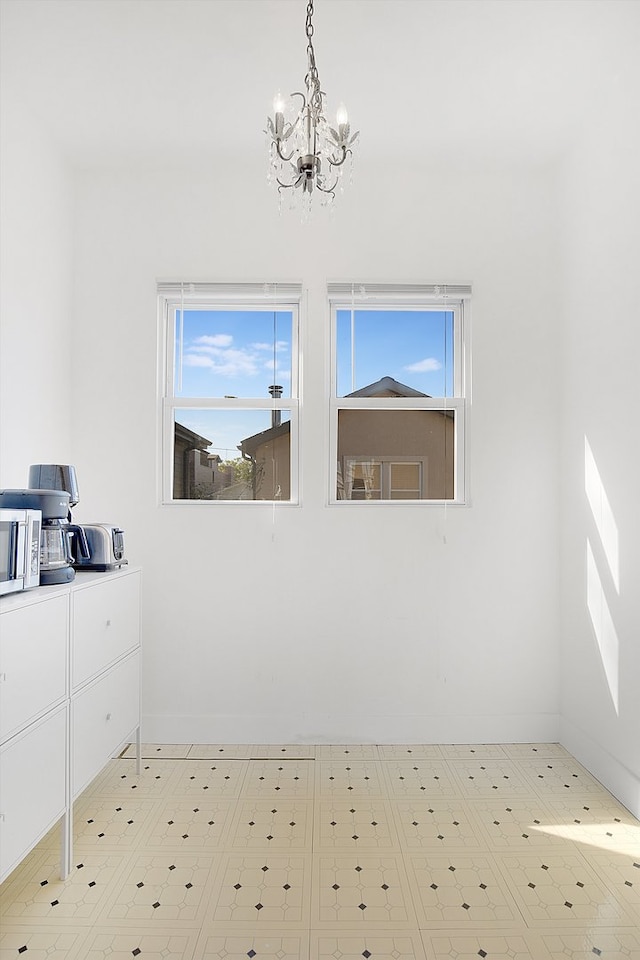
189	81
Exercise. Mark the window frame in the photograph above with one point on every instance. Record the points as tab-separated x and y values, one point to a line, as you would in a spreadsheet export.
176	296
406	297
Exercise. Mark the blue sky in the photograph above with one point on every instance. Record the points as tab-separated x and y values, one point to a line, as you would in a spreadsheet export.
233	353
237	353
414	347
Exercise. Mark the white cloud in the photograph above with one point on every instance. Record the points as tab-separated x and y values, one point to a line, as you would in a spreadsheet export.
280	345
197	360
217	340
428	365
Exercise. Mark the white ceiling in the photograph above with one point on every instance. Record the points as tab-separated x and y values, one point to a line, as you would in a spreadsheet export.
166	81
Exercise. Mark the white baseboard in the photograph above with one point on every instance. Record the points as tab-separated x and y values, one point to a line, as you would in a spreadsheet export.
618	779
534	728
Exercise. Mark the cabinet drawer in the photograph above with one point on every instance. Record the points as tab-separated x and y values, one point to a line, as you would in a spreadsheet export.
32	787
33	662
105	624
102	716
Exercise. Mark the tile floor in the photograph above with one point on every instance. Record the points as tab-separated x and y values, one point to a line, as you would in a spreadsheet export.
335	853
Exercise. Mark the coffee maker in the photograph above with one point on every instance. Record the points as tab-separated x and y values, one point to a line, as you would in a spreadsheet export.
62	476
55	549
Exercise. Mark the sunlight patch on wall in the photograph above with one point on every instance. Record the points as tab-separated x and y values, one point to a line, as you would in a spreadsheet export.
602	513
603	626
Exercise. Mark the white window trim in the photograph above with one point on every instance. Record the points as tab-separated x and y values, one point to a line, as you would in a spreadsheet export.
376	296
172	296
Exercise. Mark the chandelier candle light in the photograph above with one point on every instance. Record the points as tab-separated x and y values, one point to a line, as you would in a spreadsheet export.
308	154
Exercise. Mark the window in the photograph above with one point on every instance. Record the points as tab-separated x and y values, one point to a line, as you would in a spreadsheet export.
230	403
399	369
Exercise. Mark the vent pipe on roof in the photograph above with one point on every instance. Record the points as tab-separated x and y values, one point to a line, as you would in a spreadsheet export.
276	415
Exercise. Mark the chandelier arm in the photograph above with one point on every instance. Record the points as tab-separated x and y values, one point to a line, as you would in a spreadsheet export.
338	163
331	189
288	186
281	154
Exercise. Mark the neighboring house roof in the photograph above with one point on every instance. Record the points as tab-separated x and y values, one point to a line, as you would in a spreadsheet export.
251	444
387	387
194	440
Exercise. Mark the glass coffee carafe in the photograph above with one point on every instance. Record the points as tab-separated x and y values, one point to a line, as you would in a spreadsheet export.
55	553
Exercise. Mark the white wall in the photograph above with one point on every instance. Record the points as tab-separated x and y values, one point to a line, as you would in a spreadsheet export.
601	618
318	623
35	297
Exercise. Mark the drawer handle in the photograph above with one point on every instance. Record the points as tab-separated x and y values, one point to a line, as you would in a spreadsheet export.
108	623
108	717
3	677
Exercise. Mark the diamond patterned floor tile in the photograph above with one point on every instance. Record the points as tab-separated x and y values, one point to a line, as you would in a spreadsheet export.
472	751
44	898
554	889
206	778
420	779
112	823
364	889
335	852
279	778
119	779
240	944
191	825
283	751
264	889
516	823
159	751
220	751
410	751
355	824
42	943
610	944
349	779
595	822
459	890
436	825
114	944
281	824
347	752
472	945
534	751
355	944
157	888
551	777
490	778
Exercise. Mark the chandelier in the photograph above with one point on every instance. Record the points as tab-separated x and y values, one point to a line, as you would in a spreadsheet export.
307	154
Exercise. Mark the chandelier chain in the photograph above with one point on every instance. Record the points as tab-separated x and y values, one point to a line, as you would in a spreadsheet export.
312	79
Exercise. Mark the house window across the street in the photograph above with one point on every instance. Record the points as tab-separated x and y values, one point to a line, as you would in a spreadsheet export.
400	373
230	403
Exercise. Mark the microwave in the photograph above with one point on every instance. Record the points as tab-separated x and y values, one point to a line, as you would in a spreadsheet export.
19	549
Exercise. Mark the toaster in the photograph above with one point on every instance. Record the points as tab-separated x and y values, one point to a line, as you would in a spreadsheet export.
101	547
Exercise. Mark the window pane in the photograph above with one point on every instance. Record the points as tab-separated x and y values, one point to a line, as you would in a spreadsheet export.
413	447
232	353
363	480
232	455
414	347
405	477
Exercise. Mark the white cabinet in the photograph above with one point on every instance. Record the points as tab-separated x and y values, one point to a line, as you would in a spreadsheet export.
33	662
32	786
105	625
103	715
69	700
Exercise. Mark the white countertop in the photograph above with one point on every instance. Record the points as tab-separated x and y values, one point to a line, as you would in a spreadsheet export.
83	578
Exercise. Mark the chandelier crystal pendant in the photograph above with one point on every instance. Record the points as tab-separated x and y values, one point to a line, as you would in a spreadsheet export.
306	154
